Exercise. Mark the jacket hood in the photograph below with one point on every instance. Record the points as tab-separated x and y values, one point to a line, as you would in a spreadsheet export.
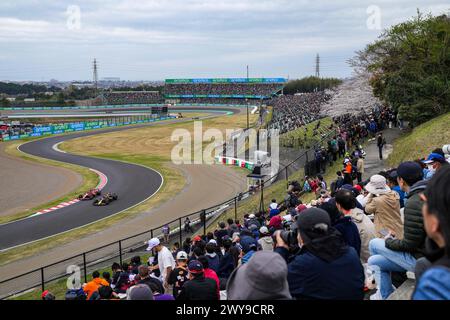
417	187
267	240
357	215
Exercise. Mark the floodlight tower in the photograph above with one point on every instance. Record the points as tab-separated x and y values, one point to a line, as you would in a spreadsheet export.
95	74
317	66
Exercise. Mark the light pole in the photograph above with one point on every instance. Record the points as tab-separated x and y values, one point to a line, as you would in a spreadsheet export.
246	100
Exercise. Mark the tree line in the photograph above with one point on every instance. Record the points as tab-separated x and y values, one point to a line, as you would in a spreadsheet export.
409	67
310	84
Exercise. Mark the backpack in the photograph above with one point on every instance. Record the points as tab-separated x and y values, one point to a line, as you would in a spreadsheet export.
306	187
75	294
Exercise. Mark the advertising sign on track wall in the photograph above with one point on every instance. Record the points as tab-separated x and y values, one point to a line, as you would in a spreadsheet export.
75	126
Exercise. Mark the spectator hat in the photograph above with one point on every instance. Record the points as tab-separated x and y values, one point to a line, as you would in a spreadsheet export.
195	267
252	216
213	241
313	223
410	170
357	187
434	157
263	230
47	295
181	255
377	185
152	243
197	238
300	208
250	281
253	227
139	292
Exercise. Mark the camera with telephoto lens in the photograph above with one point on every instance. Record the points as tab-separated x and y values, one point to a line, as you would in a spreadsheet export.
289	235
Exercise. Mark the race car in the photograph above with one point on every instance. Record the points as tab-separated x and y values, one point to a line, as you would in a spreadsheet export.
91	194
105	200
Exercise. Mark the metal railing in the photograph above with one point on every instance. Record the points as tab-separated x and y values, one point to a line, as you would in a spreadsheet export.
123	249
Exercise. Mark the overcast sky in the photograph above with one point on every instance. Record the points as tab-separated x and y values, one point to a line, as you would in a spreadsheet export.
158	39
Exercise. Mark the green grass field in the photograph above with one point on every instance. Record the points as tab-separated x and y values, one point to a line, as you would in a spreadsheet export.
421	140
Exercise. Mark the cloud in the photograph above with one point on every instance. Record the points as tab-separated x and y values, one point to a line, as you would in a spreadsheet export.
137	39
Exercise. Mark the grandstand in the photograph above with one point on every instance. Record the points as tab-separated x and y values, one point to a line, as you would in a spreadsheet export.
294	111
131	97
223	91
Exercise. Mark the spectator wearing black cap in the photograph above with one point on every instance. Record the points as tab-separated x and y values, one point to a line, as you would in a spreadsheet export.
400	252
325	267
198	287
393	184
435	282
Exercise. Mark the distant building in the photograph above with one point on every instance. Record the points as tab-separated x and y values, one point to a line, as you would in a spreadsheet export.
111	79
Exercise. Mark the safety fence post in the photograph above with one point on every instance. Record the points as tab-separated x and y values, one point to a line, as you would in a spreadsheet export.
120	252
85	267
235	208
181	231
42	279
286	176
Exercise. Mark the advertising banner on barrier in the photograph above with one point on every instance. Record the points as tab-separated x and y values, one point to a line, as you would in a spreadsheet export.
72	127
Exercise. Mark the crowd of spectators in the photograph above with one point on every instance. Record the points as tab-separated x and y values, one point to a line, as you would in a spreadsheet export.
250	89
355	240
227	101
294	111
131	97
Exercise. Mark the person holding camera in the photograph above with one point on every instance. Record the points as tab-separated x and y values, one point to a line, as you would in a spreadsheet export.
324	267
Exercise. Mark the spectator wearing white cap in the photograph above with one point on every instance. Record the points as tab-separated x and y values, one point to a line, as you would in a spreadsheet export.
265	241
179	275
166	262
384	204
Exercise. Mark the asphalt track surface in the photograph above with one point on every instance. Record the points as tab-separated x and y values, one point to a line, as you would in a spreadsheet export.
133	184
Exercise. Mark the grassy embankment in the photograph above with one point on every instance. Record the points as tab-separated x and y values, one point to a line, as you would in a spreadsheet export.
421	140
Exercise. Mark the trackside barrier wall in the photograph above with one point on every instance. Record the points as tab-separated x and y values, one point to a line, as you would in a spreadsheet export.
124	249
40	131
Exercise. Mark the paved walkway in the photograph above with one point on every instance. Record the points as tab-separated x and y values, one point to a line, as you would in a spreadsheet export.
372	162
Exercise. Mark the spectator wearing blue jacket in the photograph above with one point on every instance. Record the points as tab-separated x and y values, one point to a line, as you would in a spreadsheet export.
212	256
325	267
227	264
434	284
344	225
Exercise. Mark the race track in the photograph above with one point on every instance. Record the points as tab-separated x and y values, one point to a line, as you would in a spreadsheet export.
132	183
